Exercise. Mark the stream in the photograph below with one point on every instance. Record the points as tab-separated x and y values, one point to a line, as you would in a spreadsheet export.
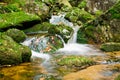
45	60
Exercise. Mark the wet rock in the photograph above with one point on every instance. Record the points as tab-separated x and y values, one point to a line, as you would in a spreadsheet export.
11	52
78	15
115	67
68	64
16	34
19	20
62	30
94	5
107	24
38	7
46	44
112	46
26	53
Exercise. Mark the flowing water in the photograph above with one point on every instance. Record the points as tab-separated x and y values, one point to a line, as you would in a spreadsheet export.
73	48
70	48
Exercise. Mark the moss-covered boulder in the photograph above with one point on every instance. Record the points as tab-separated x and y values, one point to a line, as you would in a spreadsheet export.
17	20
112	46
26	53
11	52
75	14
105	28
68	64
16	34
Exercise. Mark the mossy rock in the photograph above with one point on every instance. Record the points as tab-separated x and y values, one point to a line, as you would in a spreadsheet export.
17	20
75	14
26	53
11	52
9	8
61	30
75	61
68	64
39	27
16	34
81	37
111	46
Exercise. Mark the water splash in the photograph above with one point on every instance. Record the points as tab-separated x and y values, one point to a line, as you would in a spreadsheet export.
79	49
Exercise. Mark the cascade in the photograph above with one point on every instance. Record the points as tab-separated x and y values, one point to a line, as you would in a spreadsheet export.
72	47
60	19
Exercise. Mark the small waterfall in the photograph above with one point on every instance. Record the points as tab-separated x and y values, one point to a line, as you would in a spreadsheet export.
73	38
73	48
60	19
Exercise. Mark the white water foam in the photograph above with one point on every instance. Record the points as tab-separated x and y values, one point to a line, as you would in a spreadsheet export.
73	48
79	49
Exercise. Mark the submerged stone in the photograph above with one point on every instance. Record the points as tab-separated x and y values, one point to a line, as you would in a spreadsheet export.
111	46
46	44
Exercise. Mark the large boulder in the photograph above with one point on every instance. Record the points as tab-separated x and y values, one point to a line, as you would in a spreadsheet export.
105	28
76	15
18	20
11	52
111	46
16	34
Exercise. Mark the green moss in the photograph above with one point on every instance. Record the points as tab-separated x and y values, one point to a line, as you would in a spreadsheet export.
9	8
52	29
98	13
26	53
82	4
10	51
117	78
81	37
114	11
77	14
108	47
75	61
16	34
89	31
39	27
15	19
68	64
